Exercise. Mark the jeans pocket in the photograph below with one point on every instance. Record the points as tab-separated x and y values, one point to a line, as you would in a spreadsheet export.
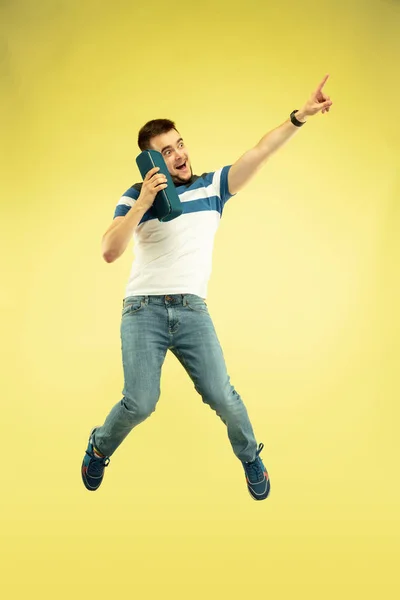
132	305
197	304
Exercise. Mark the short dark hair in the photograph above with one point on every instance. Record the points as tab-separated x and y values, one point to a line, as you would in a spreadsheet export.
151	129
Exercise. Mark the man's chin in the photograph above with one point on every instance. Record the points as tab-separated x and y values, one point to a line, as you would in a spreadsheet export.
184	179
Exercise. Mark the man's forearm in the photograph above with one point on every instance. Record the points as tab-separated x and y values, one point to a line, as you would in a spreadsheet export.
248	164
116	239
275	139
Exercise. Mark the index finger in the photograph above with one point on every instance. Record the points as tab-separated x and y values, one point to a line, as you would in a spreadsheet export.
321	85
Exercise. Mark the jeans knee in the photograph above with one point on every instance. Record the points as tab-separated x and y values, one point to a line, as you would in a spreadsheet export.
139	409
224	400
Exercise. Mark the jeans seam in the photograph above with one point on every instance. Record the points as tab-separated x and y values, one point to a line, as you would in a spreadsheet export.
183	361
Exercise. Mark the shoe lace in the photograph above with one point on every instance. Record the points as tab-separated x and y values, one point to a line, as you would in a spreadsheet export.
254	469
96	465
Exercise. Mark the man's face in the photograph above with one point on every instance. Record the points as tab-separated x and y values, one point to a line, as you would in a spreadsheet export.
175	154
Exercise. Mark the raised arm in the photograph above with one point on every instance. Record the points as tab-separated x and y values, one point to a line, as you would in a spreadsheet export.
247	165
118	235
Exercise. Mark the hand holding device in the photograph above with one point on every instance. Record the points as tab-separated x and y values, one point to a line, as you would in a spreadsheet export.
157	180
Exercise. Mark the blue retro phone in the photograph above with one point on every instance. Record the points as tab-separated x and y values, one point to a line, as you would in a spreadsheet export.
166	203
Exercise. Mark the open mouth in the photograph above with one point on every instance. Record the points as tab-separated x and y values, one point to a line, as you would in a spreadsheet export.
181	167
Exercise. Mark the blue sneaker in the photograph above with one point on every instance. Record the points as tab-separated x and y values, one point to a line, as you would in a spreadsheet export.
93	466
257	477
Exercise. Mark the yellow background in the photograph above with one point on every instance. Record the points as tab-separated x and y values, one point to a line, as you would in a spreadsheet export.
304	294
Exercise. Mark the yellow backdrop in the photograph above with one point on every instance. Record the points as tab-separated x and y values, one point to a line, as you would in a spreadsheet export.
304	295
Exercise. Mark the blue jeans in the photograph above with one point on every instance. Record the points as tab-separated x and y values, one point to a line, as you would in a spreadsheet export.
150	326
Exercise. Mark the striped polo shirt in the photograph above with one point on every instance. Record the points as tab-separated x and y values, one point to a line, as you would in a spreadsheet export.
175	257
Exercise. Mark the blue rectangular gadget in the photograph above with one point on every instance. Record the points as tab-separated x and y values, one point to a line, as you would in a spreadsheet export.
166	203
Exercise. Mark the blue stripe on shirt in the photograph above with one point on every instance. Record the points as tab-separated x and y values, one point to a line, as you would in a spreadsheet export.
132	193
201	205
210	203
121	210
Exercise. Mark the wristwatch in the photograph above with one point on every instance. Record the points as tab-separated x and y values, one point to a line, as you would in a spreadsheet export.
294	120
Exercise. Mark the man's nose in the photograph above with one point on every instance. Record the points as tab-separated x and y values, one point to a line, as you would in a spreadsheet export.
178	154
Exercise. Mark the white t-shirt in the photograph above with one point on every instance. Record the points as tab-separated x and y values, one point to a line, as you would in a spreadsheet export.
175	257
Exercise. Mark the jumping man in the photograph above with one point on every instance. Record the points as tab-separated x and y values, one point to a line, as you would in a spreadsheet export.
164	306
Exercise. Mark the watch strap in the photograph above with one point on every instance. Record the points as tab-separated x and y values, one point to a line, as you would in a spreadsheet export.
294	120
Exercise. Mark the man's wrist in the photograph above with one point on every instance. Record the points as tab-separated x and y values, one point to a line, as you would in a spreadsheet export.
142	205
301	116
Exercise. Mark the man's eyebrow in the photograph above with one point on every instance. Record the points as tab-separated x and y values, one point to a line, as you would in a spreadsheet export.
168	147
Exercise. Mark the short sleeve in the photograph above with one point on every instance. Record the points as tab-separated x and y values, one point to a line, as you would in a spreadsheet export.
220	184
126	202
224	188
